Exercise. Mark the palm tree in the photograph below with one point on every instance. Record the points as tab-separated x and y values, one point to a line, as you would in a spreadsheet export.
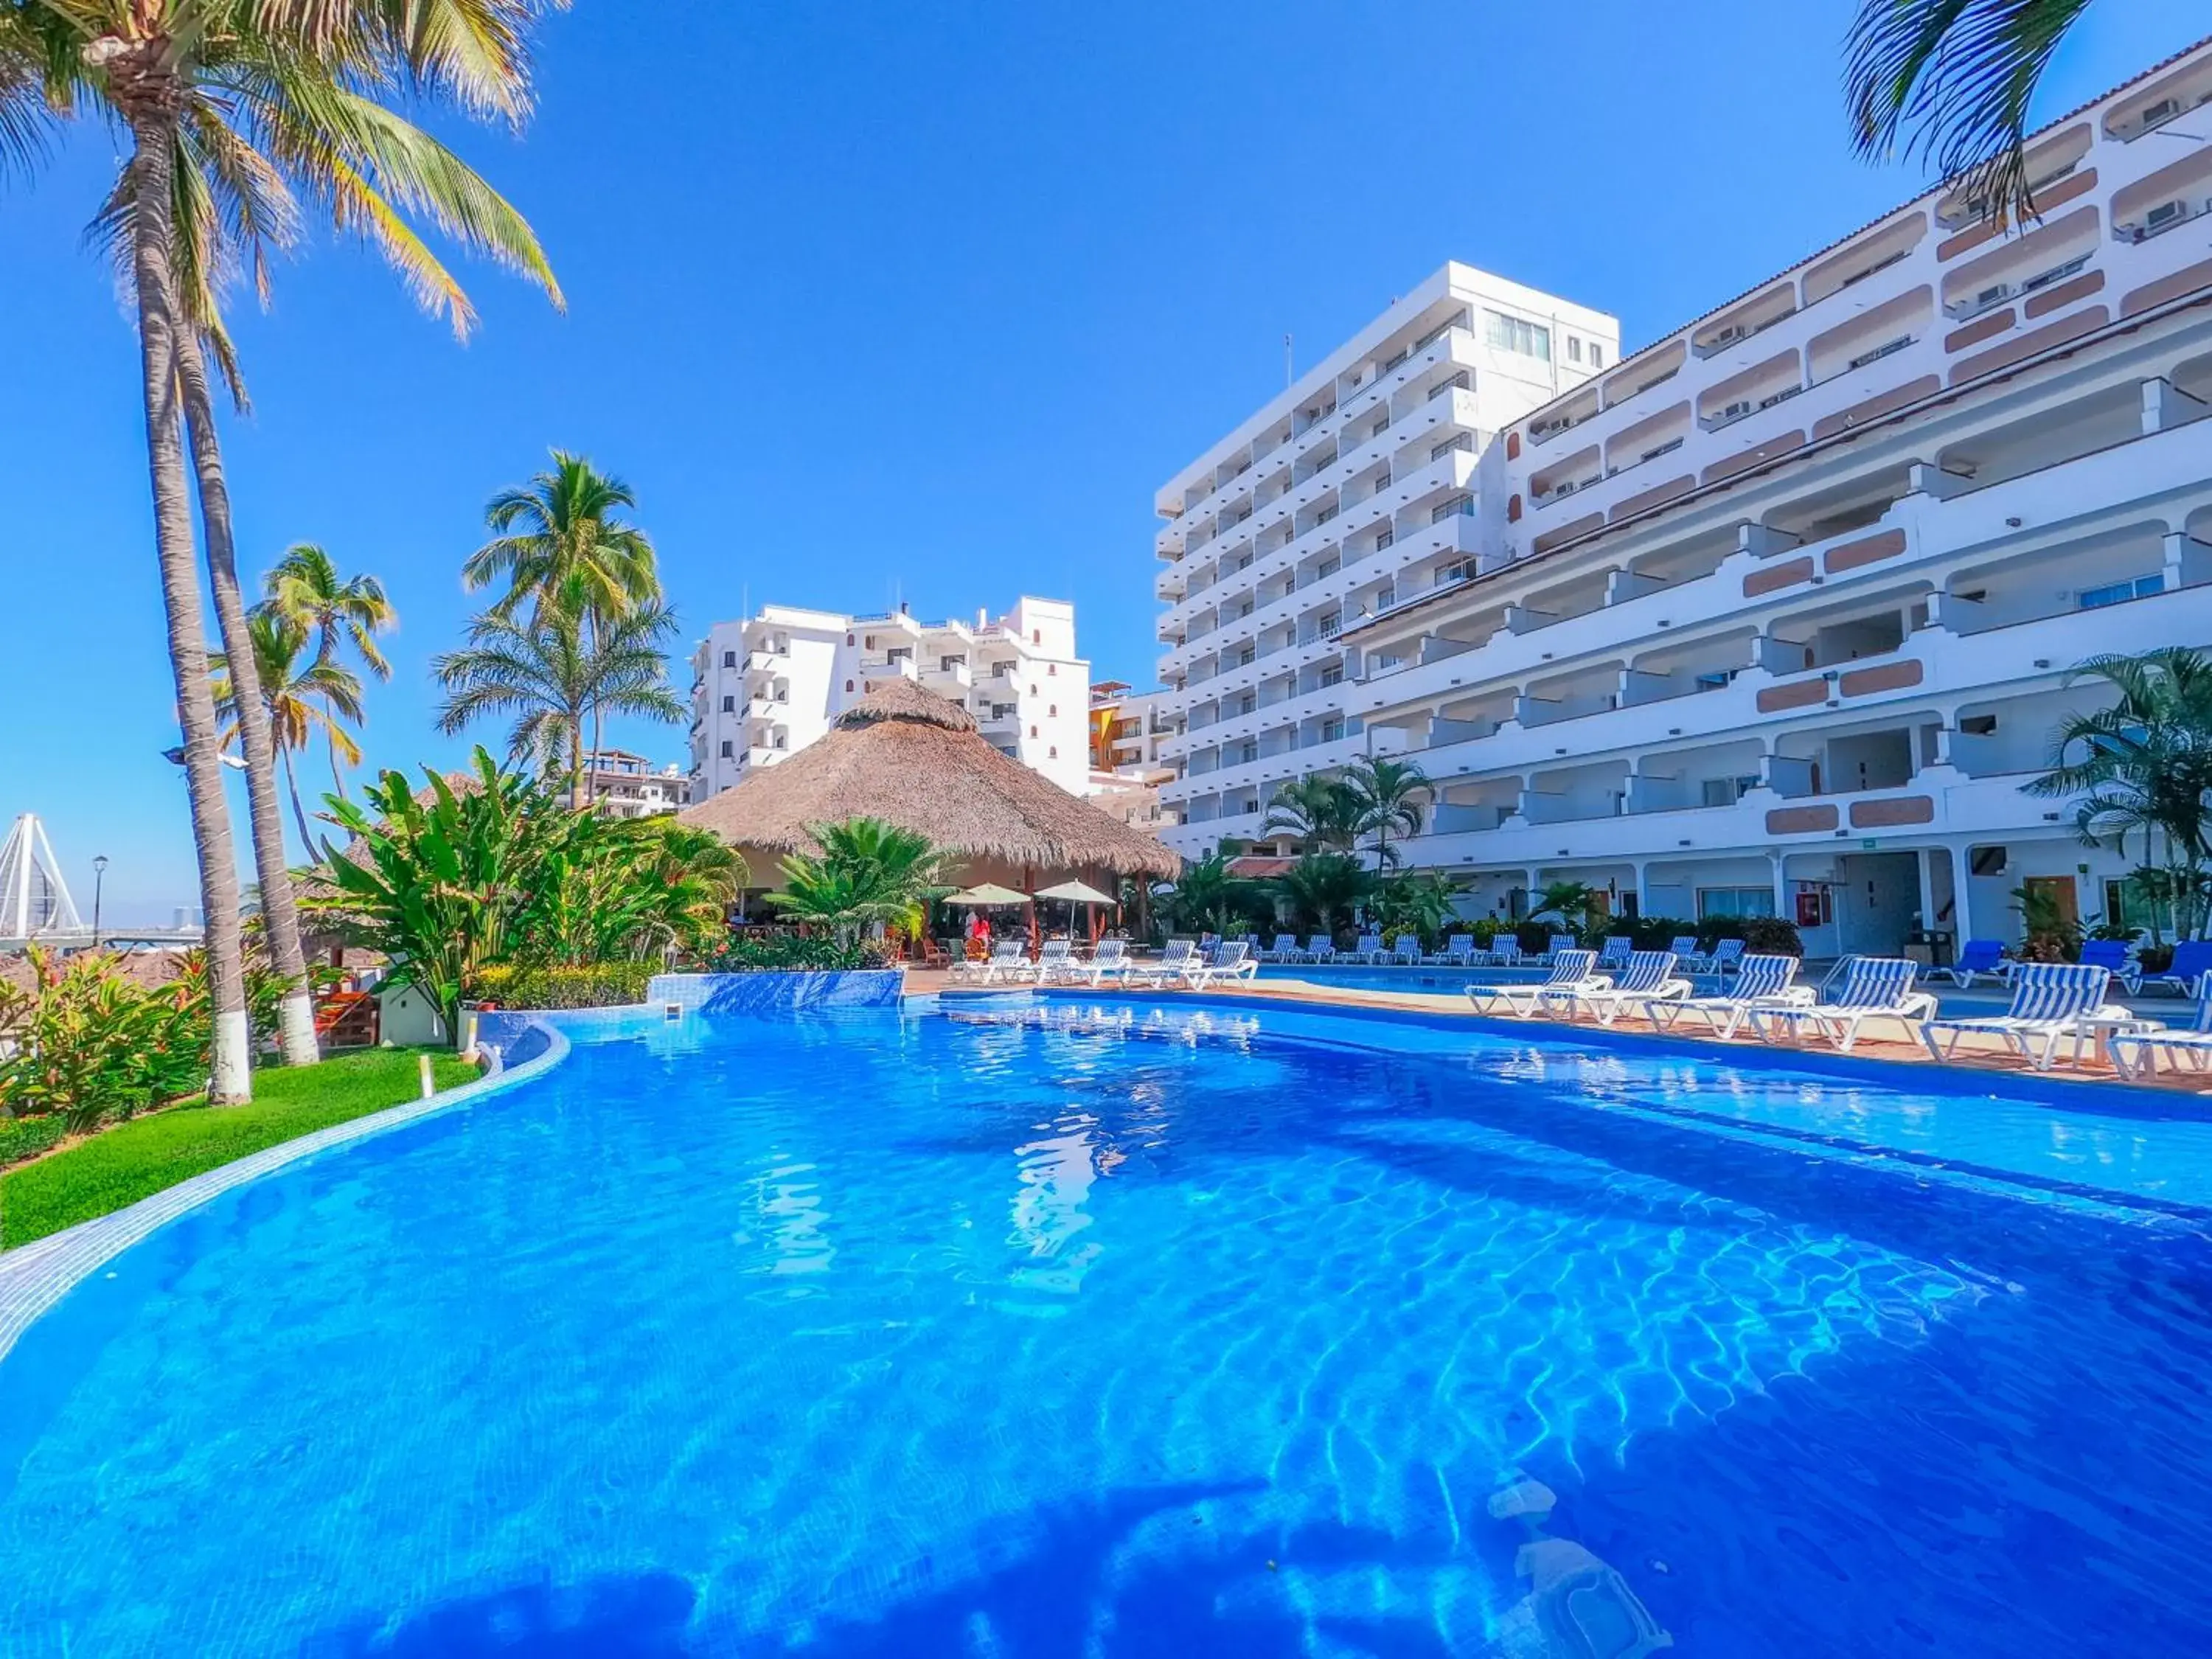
1323	888
560	544
301	699
2141	765
1319	810
1950	82
867	872
1385	794
229	104
1207	897
552	677
1574	903
342	613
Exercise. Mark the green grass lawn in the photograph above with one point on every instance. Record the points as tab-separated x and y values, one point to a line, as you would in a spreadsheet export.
121	1165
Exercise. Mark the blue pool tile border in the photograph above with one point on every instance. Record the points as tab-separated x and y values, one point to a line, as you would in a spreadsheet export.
776	993
35	1276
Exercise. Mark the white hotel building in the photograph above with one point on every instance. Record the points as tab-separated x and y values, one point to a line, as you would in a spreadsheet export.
1777	615
766	687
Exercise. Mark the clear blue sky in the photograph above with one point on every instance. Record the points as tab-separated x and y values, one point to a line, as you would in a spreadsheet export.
873	298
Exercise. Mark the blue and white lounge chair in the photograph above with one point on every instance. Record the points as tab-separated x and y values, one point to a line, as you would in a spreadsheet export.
1761	982
1504	951
1110	960
2049	1001
2185	975
1619	947
1727	953
1368	948
1647	977
1230	960
1573	972
1458	952
1055	962
1562	942
1284	949
1009	960
1320	947
1686	954
1872	988
1978	958
1406	953
2115	957
2134	1054
1171	967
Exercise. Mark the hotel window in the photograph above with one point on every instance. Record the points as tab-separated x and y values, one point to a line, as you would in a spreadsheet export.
1052	753
2095	599
1033	731
1332	730
729	660
1574	349
1514	334
1735	902
729	749
729	705
1597	355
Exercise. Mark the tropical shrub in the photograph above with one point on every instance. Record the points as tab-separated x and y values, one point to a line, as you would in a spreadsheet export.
868	873
27	1137
1207	899
1420	903
592	985
773	953
87	1044
1321	888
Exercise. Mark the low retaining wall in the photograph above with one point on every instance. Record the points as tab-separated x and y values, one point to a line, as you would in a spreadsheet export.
774	993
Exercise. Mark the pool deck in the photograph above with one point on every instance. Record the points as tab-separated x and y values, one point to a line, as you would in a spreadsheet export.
1888	1040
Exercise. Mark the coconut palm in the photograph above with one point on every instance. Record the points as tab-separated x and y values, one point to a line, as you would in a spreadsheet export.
303	695
231	104
1385	794
1318	809
1322	888
868	873
1574	903
1948	83
2141	765
343	614
552	676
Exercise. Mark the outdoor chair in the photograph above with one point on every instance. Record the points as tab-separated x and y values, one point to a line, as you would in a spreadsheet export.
1978	958
1009	960
1284	949
1872	988
1230	961
1368	947
1619	947
1727	953
1761	982
1458	952
1504	951
2114	956
1406	953
1562	942
1171	965
2185	975
1572	973
1320	947
2050	1001
2134	1054
1109	960
1647	978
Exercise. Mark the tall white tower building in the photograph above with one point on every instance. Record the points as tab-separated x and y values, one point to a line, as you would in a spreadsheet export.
1359	480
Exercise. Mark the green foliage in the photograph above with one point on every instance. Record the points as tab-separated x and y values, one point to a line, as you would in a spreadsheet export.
1572	903
1321	888
1386	795
1320	811
1420	903
2141	766
2050	934
504	873
27	1137
127	1163
786	953
595	985
868	871
1208	899
90	1044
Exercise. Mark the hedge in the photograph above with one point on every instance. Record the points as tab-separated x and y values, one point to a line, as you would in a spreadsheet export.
594	985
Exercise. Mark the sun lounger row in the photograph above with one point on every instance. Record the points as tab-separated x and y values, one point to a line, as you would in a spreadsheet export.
1056	963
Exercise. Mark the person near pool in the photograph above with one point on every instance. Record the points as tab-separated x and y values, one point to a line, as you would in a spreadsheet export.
979	937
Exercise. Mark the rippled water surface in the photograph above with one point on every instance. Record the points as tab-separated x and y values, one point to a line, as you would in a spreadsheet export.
999	1336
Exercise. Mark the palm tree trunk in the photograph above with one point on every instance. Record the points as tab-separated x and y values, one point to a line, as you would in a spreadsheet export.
299	818
337	776
153	136
576	757
280	913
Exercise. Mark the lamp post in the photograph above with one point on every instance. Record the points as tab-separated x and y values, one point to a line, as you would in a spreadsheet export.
98	881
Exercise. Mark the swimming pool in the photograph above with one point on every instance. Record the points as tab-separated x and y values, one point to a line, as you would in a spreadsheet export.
1072	1326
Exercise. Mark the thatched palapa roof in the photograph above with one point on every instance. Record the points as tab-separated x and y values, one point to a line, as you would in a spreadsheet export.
916	760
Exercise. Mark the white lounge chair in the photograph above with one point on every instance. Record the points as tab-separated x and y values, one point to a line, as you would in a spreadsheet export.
1370	947
1009	959
1562	942
1458	952
1727	954
1110	960
1647	978
1873	988
1230	961
2049	1001
2134	1054
1571	974
1172	964
1761	982
1056	960
1686	954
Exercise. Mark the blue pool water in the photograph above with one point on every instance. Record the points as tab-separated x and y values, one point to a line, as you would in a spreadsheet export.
1082	1329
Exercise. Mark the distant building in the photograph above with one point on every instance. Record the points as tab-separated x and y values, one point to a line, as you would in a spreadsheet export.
622	784
1127	771
765	687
